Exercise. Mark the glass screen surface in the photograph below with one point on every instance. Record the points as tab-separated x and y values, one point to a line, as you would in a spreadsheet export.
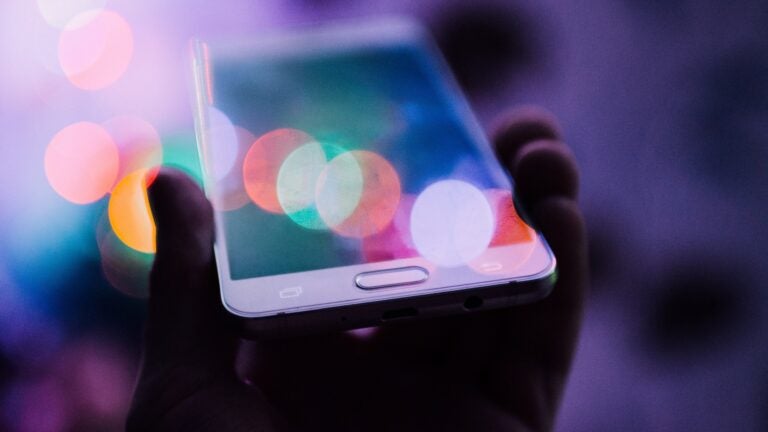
331	159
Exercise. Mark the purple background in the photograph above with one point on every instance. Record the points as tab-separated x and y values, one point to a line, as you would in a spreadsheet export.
665	104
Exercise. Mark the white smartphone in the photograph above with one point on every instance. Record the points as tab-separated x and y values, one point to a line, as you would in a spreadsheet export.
352	185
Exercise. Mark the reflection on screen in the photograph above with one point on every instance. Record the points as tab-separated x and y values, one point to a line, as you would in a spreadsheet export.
345	158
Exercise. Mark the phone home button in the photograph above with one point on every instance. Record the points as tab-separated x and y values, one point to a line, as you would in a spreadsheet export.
391	277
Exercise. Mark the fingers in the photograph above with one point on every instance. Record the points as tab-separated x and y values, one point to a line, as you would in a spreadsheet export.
186	324
547	181
537	341
544	169
533	345
522	126
555	320
528	145
188	377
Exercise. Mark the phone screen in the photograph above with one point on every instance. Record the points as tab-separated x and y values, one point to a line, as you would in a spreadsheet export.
346	157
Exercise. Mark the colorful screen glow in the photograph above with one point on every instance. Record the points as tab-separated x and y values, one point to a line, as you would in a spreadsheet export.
298	178
262	165
361	157
451	223
232	194
364	197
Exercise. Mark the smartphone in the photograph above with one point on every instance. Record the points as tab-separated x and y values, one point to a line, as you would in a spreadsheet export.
352	185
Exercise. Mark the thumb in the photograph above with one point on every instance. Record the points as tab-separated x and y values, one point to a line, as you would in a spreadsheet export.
186	323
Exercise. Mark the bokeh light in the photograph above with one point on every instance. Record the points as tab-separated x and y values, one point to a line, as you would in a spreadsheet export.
297	182
339	189
221	143
95	49
374	200
137	141
126	269
101	372
510	227
38	404
394	241
262	165
84	385
82	162
58	13
129	212
451	223
180	152
511	231
230	192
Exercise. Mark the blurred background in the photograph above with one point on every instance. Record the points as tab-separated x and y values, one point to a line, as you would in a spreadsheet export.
665	104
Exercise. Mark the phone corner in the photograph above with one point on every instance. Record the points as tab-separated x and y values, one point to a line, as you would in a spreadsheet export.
236	305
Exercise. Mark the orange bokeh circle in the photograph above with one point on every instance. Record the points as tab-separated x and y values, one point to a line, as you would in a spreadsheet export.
129	212
262	163
379	200
513	240
510	227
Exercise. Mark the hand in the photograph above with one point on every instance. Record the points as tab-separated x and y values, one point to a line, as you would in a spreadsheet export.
495	370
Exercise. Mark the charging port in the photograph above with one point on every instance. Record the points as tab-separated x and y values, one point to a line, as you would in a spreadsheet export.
399	314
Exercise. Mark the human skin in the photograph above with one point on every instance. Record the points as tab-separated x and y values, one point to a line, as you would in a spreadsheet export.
493	370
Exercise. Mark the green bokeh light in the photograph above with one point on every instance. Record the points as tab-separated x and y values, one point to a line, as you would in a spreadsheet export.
339	189
297	182
180	152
